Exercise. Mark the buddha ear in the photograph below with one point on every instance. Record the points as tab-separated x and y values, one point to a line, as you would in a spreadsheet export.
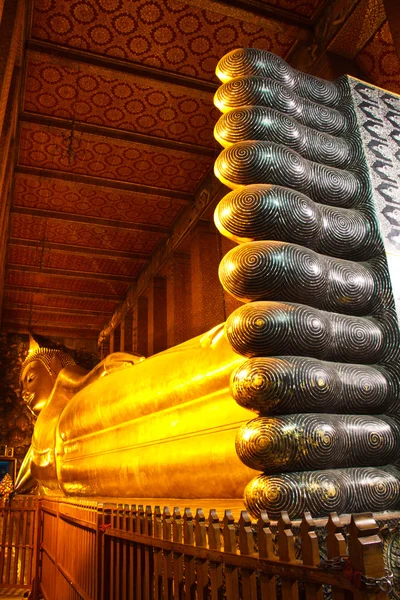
55	365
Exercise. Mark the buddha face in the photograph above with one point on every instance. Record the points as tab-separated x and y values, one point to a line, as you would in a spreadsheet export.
37	384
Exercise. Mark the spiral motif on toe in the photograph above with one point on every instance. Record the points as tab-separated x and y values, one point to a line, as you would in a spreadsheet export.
341	188
252	162
350	490
347	233
289	384
259	212
317	90
377	489
263	328
365	389
352	287
261	123
300	442
251	61
273	271
281	271
259	91
291	443
319	492
355	339
273	328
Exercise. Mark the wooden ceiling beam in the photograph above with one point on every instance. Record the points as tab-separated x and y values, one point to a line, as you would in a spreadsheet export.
122	66
67	311
53	330
55	292
69	274
98	252
118	134
314	57
109	183
49	214
254	11
392	10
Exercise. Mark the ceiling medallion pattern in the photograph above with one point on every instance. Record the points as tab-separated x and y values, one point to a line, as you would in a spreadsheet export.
45	281
94	201
100	156
68	90
164	34
69	261
29	227
379	60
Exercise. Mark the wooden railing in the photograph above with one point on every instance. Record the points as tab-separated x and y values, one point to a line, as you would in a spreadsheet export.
117	552
18	540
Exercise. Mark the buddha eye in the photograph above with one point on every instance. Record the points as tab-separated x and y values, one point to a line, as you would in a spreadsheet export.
30	378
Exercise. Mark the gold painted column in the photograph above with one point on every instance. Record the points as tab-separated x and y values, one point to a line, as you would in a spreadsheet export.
208	306
179	301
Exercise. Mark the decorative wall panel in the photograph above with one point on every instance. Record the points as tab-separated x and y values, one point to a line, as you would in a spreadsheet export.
378	115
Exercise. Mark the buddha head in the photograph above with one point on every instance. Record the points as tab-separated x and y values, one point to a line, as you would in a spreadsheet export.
38	375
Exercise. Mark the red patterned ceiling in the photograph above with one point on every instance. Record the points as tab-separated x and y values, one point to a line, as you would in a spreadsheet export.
166	34
98	156
63	88
72	233
21	297
45	281
94	201
49	258
126	76
379	60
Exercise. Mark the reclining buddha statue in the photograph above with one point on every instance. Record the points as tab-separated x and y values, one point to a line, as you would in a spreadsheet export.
294	401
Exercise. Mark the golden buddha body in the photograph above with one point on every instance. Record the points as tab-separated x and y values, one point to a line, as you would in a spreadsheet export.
134	427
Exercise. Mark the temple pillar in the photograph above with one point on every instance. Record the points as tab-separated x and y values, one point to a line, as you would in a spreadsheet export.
12	13
104	348
11	30
128	341
140	326
208	306
157	315
178	300
112	342
117	338
122	335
